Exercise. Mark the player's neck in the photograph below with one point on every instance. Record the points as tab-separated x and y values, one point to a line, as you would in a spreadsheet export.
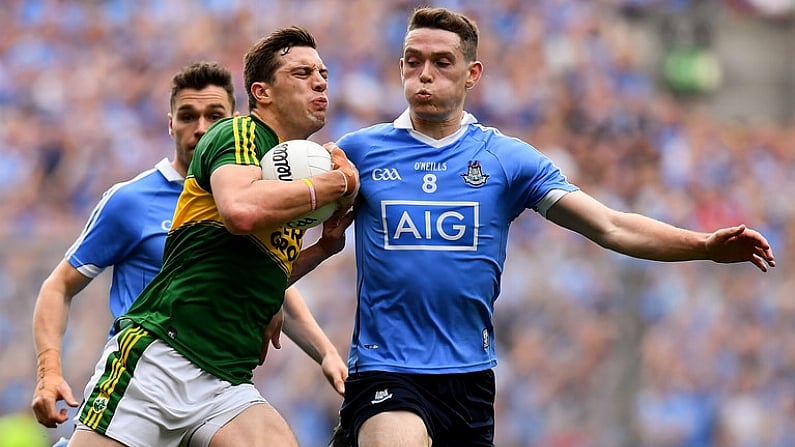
179	167
283	131
436	129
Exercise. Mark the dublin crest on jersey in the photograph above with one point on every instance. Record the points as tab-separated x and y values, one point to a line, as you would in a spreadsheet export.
474	175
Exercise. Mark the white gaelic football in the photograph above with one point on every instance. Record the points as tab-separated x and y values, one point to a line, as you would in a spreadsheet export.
296	160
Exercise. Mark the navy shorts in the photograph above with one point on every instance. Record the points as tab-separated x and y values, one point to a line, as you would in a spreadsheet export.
458	409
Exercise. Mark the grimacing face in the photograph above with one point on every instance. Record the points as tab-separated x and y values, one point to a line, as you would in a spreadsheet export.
299	92
194	112
435	74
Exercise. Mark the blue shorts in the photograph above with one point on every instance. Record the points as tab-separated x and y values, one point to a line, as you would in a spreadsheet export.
458	409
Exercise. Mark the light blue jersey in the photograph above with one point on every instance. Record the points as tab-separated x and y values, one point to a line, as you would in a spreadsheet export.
127	230
431	235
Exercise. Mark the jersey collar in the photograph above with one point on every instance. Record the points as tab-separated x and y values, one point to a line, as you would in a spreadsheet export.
168	171
404	122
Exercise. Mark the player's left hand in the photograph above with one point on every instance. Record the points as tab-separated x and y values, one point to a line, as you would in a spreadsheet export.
336	371
272	334
739	244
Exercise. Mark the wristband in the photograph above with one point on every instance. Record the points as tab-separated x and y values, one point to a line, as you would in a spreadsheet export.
312	196
345	179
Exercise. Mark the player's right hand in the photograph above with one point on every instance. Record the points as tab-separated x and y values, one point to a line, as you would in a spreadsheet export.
340	161
50	389
272	335
332	240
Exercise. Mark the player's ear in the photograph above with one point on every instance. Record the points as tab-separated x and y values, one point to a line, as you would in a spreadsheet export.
261	91
170	124
475	71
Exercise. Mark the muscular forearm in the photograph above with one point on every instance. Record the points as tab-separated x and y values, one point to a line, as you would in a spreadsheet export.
646	238
247	202
309	337
309	259
51	311
48	328
49	320
627	233
302	328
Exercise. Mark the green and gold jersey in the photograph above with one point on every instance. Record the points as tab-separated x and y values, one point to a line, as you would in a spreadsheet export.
216	291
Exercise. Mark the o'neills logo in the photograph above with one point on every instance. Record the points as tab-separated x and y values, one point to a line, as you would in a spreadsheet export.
281	163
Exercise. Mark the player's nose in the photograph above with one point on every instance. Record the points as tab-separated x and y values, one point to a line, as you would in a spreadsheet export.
202	126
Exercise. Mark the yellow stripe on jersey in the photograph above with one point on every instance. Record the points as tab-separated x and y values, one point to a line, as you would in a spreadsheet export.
245	148
195	205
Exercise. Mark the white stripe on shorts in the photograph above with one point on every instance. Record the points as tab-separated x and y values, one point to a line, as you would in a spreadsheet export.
170	401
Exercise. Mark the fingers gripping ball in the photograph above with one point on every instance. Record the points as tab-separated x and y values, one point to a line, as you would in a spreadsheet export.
296	160
340	161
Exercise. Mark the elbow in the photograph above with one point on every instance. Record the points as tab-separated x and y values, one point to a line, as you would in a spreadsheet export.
239	221
238	228
245	220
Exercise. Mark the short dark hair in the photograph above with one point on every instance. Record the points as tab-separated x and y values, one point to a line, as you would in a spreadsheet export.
199	75
444	19
263	58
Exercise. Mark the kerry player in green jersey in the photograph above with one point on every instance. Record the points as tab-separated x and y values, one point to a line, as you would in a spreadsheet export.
179	370
127	231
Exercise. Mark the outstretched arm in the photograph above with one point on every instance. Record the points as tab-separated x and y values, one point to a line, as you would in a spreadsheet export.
49	324
302	328
646	238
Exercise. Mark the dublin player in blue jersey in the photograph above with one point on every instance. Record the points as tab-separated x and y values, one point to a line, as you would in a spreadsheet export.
437	195
127	231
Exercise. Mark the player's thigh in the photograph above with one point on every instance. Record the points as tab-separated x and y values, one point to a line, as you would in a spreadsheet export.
90	438
391	428
259	425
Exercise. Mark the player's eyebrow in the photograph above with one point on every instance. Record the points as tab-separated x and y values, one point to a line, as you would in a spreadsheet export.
409	51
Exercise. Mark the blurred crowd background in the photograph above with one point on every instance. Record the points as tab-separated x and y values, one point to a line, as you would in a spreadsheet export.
682	110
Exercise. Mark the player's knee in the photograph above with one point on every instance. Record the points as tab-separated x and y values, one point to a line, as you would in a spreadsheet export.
259	425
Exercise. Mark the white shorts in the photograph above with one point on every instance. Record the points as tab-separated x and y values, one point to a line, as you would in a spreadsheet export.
144	393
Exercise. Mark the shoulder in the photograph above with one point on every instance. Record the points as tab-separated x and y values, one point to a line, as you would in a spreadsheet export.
224	125
221	129
237	129
358	143
127	189
241	133
366	134
517	158
125	199
223	135
137	191
502	145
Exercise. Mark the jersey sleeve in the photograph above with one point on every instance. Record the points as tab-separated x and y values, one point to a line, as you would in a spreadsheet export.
532	176
108	235
230	141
